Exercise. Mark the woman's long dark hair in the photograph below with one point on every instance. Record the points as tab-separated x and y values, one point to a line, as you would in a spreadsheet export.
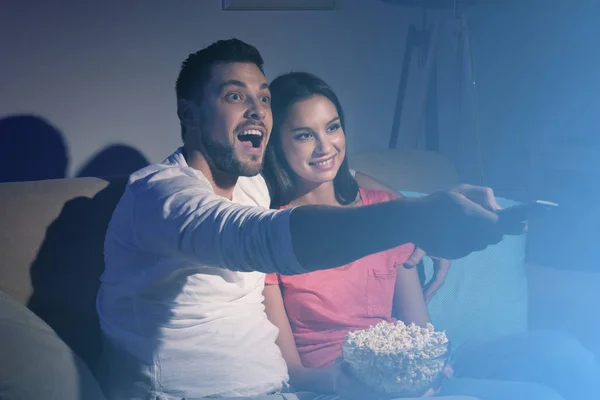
287	90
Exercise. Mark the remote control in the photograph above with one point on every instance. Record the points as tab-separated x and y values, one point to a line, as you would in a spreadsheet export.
524	212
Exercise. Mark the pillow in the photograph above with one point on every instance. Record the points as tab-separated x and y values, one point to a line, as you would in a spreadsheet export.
36	363
485	293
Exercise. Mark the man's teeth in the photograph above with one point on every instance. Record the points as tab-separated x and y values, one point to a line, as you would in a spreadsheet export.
254	132
253	136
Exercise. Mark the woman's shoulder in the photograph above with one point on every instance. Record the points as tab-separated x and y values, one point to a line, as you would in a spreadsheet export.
374	196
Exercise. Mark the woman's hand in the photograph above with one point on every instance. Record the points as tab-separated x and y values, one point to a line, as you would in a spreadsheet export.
448	373
440	271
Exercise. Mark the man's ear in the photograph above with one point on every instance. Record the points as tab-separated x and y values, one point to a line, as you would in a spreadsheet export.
188	113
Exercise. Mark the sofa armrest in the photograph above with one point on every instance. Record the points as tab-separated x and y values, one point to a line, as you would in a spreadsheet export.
565	300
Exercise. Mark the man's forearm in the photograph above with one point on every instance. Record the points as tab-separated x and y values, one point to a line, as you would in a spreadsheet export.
327	237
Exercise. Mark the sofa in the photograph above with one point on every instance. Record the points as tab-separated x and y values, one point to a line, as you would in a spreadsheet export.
51	247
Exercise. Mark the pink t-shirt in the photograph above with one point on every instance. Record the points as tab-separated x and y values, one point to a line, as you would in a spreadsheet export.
323	306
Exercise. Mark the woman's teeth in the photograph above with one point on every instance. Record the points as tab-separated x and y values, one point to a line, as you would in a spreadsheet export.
325	163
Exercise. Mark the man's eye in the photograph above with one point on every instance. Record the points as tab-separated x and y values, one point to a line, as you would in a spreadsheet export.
265	99
233	97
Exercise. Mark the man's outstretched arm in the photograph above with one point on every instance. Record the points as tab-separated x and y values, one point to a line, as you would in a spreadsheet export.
449	224
186	219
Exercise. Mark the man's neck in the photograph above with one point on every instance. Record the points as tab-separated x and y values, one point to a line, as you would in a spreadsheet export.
222	183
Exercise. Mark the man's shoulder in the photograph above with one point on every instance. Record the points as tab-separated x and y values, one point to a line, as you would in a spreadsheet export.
167	176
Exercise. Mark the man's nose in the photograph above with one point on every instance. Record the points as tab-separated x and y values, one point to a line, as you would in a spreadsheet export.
256	111
257	115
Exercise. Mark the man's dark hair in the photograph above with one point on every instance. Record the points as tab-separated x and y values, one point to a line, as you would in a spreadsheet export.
195	70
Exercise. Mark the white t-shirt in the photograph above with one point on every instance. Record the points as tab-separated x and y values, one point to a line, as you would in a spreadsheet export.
173	295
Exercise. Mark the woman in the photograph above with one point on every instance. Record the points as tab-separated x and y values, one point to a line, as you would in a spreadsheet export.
306	163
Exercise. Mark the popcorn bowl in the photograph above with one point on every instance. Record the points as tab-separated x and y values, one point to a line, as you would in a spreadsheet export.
408	373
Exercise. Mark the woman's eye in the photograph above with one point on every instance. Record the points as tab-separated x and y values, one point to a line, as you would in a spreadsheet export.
303	136
233	97
334	128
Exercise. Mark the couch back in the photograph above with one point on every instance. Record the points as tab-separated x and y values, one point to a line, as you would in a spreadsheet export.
52	236
51	246
407	170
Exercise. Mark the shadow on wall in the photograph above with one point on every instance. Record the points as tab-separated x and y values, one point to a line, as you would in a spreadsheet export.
31	149
114	160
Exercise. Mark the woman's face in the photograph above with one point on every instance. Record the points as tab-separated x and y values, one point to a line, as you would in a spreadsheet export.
313	140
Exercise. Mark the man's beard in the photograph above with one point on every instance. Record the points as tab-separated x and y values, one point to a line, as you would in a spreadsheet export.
224	159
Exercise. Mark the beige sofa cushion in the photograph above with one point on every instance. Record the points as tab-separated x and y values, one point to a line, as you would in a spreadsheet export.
35	363
407	170
51	242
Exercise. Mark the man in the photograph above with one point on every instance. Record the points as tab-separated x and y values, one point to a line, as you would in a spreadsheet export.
180	300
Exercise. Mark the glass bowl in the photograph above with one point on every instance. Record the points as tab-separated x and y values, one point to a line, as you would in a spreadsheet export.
409	373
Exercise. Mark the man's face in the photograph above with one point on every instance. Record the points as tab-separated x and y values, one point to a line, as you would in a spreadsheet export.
235	118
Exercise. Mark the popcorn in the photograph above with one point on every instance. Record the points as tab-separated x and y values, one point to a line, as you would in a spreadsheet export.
396	358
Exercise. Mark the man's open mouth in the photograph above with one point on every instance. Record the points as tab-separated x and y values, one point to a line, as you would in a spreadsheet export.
254	136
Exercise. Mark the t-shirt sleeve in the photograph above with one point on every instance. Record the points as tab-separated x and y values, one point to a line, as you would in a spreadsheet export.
176	214
272	279
374	196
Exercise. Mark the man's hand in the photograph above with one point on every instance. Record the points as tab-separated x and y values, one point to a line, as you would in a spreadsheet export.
455	223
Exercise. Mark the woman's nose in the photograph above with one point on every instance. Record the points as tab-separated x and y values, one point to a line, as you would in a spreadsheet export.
324	145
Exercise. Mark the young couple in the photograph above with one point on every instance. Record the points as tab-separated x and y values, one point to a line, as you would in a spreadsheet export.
188	246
